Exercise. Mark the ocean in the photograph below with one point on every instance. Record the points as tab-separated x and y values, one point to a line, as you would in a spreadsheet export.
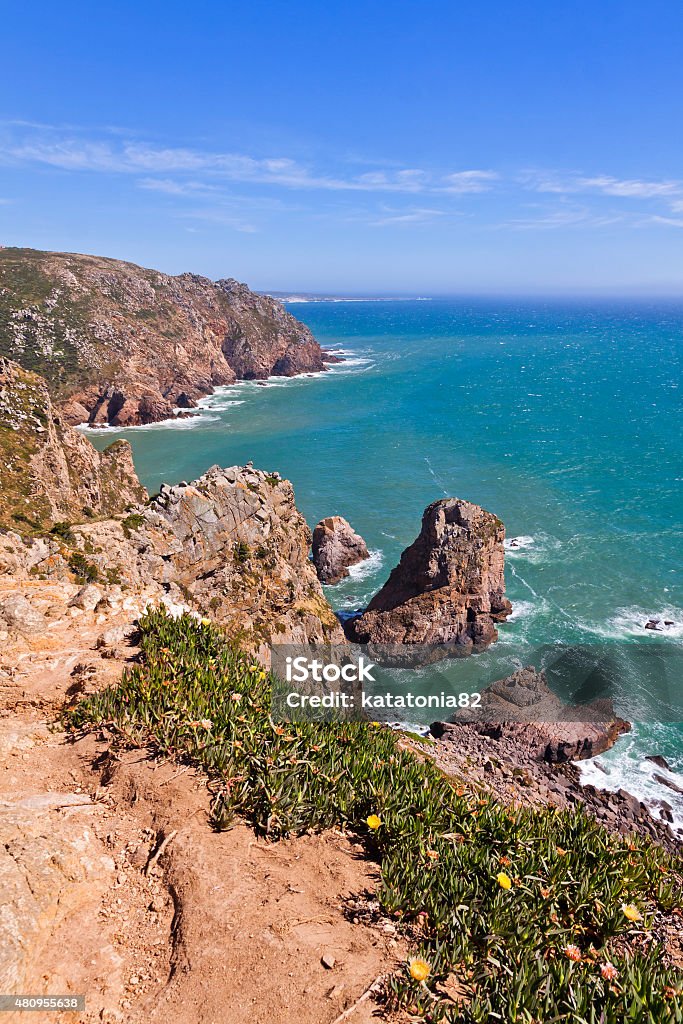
563	418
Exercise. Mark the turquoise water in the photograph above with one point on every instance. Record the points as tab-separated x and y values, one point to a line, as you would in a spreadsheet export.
563	419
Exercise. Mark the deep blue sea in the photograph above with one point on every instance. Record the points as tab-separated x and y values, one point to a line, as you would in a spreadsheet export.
562	418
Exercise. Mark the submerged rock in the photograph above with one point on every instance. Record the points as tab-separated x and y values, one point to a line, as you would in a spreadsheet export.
336	546
448	588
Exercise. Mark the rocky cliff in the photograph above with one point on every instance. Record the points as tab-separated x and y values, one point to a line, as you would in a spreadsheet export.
50	472
232	544
449	586
123	345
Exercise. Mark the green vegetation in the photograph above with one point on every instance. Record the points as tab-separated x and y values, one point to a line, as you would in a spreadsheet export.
63	531
22	411
132	522
539	915
86	571
241	552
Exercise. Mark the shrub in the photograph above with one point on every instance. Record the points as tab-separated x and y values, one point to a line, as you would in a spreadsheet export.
83	569
241	552
132	522
63	531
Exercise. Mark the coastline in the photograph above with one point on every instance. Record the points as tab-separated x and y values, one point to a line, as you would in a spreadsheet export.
621	624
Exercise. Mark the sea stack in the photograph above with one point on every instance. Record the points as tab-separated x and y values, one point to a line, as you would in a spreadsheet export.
449	586
336	546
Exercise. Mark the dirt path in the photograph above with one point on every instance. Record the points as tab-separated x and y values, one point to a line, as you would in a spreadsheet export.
222	928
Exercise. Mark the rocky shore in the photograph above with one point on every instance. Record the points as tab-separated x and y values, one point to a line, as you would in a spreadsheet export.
508	768
121	345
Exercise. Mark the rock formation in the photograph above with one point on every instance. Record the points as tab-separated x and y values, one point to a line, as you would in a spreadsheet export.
123	345
50	472
448	588
335	547
232	544
523	710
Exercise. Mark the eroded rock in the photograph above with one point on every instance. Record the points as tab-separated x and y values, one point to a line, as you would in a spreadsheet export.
448	588
336	546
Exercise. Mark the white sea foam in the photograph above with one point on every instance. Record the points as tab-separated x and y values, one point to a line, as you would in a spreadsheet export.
518	544
225	397
370	565
532	549
523	610
637	776
629	622
182	423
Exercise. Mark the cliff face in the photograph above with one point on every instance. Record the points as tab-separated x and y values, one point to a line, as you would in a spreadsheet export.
449	586
123	345
232	545
50	472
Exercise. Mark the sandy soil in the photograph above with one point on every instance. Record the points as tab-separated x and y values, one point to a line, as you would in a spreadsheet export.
219	928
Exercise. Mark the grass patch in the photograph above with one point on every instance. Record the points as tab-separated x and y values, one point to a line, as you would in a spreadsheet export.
525	907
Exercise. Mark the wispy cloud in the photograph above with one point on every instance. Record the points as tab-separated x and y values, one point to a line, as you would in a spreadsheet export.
604	184
469	181
673	222
406	217
176	188
239	190
73	153
549	219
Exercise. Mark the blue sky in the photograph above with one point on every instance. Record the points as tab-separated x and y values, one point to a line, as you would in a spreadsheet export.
361	147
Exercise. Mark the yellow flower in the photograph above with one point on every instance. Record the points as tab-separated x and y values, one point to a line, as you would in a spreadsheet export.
373	821
504	881
419	969
631	912
206	622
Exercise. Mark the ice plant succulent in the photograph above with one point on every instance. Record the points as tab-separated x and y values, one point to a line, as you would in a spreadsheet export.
311	777
631	912
419	969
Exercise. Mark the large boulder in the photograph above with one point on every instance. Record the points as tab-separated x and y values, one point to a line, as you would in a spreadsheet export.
336	546
448	588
